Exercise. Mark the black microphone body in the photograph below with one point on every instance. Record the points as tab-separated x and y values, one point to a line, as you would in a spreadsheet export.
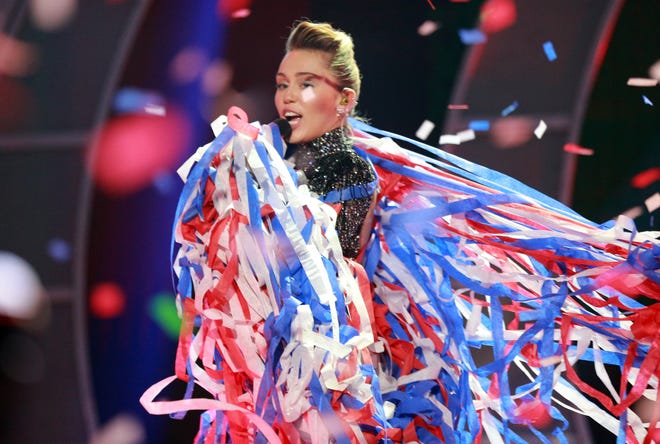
284	127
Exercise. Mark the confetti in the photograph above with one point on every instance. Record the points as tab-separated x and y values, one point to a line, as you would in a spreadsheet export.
461	106
549	49
647	101
471	36
241	13
431	4
450	139
509	109
156	110
640	81
479	125
645	178
466	135
425	129
134	100
577	149
427	28
653	202
540	129
633	212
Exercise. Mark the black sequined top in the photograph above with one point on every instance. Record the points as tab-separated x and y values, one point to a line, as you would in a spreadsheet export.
331	165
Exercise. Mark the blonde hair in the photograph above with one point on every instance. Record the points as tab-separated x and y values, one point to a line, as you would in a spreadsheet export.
336	43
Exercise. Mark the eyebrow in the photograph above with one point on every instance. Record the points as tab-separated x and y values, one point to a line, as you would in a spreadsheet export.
317	76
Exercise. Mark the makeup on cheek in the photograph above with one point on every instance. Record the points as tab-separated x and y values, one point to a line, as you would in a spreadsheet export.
307	94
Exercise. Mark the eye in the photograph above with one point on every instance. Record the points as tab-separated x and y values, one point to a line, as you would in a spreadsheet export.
306	84
280	86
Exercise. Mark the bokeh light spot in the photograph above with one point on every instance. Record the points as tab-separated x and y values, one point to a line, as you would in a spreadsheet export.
187	65
51	15
107	300
21	292
18	58
497	15
131	150
59	250
162	310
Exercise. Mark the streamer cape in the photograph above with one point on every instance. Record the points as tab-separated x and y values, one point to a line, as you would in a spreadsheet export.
463	317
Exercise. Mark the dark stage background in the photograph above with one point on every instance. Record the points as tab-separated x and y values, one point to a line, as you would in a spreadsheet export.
103	99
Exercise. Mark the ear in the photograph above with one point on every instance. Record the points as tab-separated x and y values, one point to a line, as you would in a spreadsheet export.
348	99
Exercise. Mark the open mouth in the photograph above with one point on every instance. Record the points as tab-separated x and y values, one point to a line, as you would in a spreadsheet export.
292	118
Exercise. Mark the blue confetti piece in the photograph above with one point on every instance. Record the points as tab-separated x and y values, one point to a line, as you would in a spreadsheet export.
479	125
509	109
471	36
131	100
647	101
550	51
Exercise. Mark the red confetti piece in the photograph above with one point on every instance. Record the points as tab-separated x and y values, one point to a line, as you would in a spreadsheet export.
431	4
534	412
577	149
458	107
645	178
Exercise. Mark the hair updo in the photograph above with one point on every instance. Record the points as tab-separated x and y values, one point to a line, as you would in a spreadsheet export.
336	43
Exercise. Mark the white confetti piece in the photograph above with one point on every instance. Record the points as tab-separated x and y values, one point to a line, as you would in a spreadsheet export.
153	109
425	129
427	28
633	212
540	129
450	139
653	202
640	81
466	135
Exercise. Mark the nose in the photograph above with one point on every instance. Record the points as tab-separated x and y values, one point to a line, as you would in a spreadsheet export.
288	95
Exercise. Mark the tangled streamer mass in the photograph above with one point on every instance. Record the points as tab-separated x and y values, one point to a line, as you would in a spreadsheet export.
463	318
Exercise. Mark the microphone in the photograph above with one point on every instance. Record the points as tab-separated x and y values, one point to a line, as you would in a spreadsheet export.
284	127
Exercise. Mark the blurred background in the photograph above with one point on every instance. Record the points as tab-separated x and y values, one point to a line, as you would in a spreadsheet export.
101	101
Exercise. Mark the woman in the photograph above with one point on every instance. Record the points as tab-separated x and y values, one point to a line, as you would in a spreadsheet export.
317	86
309	322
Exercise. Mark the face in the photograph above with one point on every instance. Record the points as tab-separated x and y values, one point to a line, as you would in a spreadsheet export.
307	95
